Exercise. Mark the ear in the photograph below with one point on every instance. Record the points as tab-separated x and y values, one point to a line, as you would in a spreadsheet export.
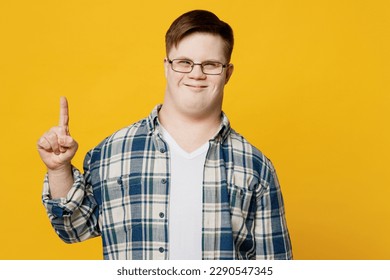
166	66
229	72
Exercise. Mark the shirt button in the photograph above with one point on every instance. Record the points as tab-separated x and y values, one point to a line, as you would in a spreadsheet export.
119	181
162	150
161	250
163	181
161	215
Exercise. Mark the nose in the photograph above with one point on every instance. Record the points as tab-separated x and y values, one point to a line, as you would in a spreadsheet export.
197	72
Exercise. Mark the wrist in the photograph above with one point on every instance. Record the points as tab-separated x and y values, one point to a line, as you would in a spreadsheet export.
60	181
61	171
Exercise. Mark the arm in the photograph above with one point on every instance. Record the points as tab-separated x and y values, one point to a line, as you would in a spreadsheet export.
76	216
271	233
67	196
57	148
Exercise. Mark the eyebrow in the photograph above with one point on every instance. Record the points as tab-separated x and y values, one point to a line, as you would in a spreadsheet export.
207	60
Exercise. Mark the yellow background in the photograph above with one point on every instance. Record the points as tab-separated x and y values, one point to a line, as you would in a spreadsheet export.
310	89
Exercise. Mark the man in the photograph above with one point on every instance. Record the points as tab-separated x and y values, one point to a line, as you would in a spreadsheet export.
179	184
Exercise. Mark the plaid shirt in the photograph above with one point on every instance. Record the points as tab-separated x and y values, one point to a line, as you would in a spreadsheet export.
123	196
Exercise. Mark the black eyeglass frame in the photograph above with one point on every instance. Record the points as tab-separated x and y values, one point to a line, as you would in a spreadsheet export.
170	61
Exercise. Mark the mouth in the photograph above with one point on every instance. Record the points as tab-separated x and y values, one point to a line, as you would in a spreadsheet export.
195	86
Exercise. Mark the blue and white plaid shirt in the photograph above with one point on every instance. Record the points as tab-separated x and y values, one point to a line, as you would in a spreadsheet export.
124	197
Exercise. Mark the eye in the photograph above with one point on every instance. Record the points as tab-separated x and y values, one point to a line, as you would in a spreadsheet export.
183	62
211	64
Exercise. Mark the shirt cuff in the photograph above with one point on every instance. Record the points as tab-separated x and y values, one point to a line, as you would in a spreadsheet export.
65	206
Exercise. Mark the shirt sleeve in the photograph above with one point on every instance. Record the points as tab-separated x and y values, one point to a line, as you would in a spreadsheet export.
271	233
75	217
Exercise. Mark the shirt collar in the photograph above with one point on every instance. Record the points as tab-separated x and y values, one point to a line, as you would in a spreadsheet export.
223	131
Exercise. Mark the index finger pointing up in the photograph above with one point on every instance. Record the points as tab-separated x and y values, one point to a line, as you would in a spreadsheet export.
64	113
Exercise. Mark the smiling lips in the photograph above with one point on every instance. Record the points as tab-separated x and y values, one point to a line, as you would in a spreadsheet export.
195	86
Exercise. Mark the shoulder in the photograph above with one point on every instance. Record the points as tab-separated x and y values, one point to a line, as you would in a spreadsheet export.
251	156
122	137
137	129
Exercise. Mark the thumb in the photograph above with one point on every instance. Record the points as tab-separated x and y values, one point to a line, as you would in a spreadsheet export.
67	142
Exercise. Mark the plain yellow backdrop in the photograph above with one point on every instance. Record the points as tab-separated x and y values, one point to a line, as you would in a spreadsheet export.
310	89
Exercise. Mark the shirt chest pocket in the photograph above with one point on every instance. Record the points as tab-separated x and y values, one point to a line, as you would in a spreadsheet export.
123	202
244	192
241	194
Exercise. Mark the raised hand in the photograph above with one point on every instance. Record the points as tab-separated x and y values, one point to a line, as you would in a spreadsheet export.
56	147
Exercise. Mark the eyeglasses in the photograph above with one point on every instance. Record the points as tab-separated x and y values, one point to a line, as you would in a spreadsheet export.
187	65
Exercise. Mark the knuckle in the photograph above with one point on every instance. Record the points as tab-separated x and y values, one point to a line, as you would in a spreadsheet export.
53	129
52	137
42	143
58	130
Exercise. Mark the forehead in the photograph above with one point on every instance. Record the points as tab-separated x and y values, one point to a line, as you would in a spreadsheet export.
199	47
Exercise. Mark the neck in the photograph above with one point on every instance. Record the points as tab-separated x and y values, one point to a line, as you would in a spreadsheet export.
190	132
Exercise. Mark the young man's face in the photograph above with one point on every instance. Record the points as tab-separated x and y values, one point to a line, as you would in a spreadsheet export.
196	93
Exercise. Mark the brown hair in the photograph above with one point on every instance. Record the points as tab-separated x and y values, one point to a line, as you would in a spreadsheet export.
199	21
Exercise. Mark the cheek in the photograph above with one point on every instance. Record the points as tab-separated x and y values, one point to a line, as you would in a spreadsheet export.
220	84
174	78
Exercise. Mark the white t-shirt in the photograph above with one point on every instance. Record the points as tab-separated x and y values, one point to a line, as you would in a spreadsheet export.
185	200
